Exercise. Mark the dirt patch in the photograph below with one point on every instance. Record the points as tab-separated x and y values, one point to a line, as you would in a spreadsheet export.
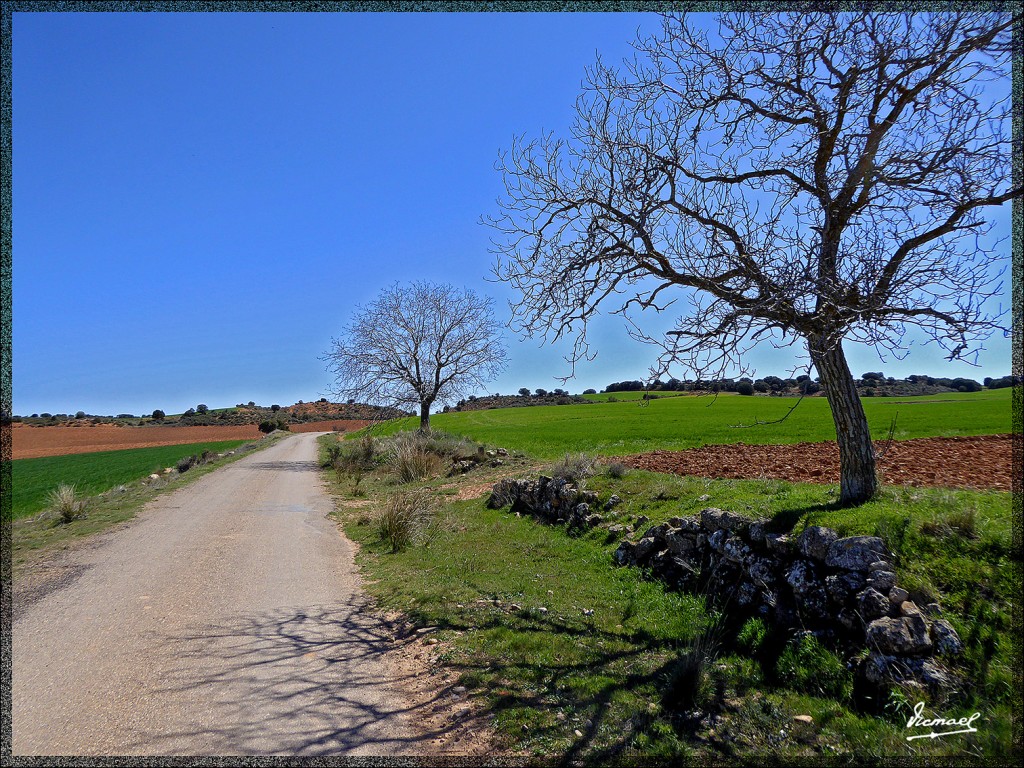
456	723
335	425
33	442
982	462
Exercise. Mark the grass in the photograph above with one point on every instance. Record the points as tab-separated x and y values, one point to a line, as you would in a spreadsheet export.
578	660
678	423
91	473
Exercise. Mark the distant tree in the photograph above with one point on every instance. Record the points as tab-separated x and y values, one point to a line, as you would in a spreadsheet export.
252	403
80	415
745	388
158	415
275	408
189	413
815	177
417	345
524	392
539	392
589	391
201	408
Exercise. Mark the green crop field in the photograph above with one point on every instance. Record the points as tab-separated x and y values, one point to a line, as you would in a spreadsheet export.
91	473
678	423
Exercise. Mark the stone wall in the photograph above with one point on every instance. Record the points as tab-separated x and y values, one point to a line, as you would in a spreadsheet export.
843	590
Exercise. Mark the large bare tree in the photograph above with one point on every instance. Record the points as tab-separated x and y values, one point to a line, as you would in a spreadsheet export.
801	177
418	345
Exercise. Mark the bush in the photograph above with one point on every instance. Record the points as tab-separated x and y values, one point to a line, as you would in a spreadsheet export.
807	666
745	388
158	415
269	425
617	470
574	468
185	464
64	501
411	460
403	519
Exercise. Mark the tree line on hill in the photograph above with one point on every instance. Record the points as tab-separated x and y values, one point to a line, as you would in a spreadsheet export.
871	383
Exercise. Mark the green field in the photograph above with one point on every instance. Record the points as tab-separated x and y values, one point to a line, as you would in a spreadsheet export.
678	423
93	473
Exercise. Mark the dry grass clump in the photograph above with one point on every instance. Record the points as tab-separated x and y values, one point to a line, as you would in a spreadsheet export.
574	468
407	518
65	503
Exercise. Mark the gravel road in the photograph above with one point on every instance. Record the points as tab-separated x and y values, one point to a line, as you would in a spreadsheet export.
226	620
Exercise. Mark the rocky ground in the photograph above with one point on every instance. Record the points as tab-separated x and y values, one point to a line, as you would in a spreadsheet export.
982	462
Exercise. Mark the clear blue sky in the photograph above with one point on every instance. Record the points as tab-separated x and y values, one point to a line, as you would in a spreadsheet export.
201	199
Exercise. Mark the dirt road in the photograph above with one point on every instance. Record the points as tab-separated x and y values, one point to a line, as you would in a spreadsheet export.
226	620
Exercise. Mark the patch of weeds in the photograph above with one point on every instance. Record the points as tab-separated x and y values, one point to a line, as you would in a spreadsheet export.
407	518
574	468
806	665
616	470
962	523
186	463
65	503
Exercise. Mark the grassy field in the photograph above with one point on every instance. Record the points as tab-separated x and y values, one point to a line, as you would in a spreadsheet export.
92	473
678	423
574	659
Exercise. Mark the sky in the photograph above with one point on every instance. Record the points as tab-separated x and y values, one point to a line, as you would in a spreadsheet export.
201	201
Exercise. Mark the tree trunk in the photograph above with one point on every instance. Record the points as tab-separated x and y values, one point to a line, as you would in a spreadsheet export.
425	417
858	480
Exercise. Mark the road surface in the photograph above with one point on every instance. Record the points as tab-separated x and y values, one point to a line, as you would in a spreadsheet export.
226	620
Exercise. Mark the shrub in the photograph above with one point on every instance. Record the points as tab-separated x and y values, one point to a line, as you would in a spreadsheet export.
158	415
411	460
403	519
807	666
185	464
751	637
64	501
617	470
574	468
353	458
269	425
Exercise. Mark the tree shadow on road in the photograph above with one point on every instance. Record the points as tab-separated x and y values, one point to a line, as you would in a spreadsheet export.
292	681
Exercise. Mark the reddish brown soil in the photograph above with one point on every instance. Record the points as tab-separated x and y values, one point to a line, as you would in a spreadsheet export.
335	425
33	442
947	462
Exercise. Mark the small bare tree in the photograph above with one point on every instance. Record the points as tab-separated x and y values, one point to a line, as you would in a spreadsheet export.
418	345
810	176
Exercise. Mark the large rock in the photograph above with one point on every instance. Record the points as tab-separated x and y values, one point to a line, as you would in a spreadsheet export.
720	519
735	549
645	549
872	604
945	639
680	543
815	541
883	581
624	554
857	553
880	668
842	586
903	636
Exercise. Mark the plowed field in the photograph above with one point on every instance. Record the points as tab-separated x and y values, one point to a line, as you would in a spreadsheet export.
33	442
947	462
